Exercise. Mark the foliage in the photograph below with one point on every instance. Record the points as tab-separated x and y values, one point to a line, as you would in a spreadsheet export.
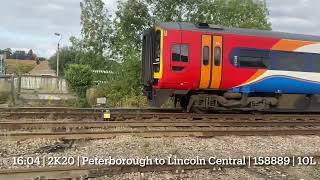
79	78
96	30
67	56
235	13
4	92
131	19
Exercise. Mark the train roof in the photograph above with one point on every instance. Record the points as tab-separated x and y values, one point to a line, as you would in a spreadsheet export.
221	29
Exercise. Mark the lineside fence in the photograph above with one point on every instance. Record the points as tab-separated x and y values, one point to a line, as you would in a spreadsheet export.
13	86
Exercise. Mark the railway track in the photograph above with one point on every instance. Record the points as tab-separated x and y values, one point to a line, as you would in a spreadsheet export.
55	125
160	133
123	114
101	130
89	123
75	113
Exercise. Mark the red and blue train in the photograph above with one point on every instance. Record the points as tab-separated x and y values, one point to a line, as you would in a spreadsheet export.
209	67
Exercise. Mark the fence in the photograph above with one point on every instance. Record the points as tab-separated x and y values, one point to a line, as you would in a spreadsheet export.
45	84
42	83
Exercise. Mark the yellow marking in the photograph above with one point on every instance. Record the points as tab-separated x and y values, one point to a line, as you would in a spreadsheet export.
217	70
107	115
205	69
158	75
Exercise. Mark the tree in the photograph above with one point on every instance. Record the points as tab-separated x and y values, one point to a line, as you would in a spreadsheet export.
31	55
235	13
96	28
132	18
19	55
79	78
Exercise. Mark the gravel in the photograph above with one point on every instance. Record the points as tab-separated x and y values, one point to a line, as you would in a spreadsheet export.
189	147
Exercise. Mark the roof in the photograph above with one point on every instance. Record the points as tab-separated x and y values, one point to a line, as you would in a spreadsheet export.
251	32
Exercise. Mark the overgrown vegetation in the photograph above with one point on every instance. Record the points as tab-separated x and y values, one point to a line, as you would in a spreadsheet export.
79	78
4	92
113	43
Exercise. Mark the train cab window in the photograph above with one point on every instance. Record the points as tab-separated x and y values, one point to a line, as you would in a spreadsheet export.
217	56
180	53
205	55
156	60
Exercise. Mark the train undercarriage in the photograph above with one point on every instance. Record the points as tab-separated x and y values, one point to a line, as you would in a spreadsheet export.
215	101
206	103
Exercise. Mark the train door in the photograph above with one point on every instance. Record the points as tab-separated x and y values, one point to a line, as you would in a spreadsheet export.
211	61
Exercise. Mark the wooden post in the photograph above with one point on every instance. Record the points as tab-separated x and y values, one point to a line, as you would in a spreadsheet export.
19	86
13	91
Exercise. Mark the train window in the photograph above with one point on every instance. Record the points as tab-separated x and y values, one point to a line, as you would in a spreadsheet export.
205	55
217	56
175	53
180	53
253	58
252	62
184	53
291	61
275	60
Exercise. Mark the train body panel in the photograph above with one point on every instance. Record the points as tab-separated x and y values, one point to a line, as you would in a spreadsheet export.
180	74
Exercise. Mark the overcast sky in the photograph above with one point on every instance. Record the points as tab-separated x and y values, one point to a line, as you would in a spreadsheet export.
31	24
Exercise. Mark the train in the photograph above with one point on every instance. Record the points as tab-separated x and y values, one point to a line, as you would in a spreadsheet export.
206	67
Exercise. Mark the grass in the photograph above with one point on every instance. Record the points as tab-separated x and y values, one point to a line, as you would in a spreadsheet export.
22	66
4	92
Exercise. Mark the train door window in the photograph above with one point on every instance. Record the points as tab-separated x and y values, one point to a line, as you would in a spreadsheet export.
205	55
217	56
180	53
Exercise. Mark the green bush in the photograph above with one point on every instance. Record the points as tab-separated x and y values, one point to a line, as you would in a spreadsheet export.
79	78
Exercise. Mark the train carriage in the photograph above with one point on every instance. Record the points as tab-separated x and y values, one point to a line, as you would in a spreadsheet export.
209	67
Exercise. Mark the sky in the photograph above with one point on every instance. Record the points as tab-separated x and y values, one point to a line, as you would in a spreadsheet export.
31	24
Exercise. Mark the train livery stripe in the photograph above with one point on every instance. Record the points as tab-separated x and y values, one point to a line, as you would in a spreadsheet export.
205	69
259	73
217	69
290	45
